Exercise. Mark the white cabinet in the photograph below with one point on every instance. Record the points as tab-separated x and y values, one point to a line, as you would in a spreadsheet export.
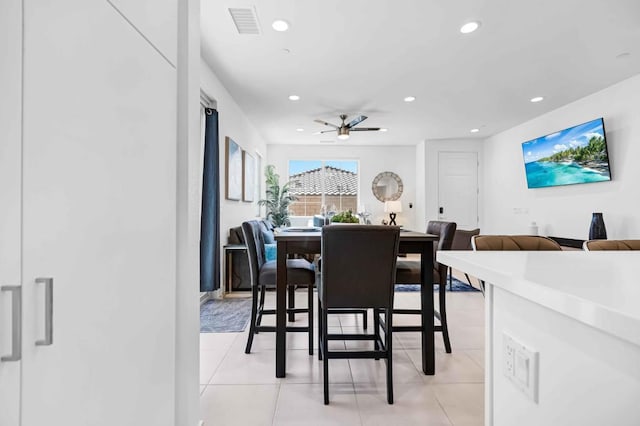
10	154
92	187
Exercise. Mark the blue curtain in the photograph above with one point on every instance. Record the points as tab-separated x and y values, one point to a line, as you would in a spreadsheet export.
210	219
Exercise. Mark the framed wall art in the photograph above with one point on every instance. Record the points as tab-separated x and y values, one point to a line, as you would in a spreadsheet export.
233	170
248	177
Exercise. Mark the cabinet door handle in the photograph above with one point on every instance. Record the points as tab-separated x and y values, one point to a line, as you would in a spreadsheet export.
16	322
48	311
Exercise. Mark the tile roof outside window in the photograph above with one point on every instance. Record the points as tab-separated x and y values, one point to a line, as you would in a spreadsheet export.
340	190
337	182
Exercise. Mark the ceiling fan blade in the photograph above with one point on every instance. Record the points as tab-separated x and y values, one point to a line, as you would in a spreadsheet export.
324	131
359	119
326	124
365	129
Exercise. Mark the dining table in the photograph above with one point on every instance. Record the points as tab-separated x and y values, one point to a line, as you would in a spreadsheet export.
307	241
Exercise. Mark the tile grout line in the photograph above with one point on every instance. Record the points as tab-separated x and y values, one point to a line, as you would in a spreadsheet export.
222	360
275	407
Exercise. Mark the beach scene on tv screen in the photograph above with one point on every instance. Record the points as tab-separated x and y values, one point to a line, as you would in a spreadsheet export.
574	155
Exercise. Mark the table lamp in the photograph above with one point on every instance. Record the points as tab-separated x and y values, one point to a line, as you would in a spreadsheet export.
392	207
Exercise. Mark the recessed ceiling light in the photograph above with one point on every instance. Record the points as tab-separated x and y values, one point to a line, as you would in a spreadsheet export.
537	99
299	129
383	130
469	27
410	99
294	97
474	130
280	25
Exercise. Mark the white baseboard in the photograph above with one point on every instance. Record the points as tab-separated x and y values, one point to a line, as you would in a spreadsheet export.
204	296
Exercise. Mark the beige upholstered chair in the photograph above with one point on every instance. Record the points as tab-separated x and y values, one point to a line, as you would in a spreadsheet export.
597	245
512	243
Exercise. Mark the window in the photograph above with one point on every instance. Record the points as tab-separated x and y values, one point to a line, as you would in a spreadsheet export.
322	185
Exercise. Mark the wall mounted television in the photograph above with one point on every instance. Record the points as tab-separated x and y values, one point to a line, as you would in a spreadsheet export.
574	155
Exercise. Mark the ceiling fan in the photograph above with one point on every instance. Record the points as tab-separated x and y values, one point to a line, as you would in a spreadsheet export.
344	129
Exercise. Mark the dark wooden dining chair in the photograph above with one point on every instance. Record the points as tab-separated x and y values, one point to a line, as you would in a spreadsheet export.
462	241
358	270
300	272
408	272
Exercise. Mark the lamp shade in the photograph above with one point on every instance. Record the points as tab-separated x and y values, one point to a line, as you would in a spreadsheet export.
393	206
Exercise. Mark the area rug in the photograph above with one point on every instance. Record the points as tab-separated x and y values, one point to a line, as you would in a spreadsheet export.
457	286
225	315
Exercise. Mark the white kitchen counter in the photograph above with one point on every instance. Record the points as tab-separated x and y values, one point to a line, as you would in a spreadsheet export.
577	317
600	289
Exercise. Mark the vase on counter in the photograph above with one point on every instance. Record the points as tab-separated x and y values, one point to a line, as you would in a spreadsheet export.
597	230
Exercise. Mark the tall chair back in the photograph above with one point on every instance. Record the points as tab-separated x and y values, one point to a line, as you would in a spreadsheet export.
446	232
358	265
462	239
255	249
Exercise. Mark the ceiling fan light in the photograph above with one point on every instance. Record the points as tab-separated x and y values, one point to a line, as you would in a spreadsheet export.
343	133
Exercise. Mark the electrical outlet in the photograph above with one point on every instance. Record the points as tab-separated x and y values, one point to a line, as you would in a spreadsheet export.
521	366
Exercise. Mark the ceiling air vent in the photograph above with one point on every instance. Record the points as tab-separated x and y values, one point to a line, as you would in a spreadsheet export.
246	20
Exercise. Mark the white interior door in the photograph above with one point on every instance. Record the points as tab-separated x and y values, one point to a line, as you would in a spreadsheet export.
99	166
10	175
458	188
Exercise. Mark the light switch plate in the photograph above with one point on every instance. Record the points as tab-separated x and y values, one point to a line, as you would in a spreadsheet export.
520	366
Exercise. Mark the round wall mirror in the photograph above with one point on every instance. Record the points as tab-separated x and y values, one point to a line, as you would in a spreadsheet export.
387	186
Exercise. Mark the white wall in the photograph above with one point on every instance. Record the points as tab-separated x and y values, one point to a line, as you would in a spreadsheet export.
566	211
232	123
373	160
432	149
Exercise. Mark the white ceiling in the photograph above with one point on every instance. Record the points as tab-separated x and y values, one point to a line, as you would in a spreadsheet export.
365	56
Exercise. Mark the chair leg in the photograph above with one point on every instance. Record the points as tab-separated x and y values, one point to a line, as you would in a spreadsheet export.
443	319
325	358
376	330
451	278
254	314
261	308
388	343
292	301
320	328
310	316
364	319
468	279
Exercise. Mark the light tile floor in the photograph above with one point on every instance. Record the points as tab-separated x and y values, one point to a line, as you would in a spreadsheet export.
240	389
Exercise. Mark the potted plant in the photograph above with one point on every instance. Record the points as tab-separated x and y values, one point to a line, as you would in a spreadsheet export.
345	217
278	199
